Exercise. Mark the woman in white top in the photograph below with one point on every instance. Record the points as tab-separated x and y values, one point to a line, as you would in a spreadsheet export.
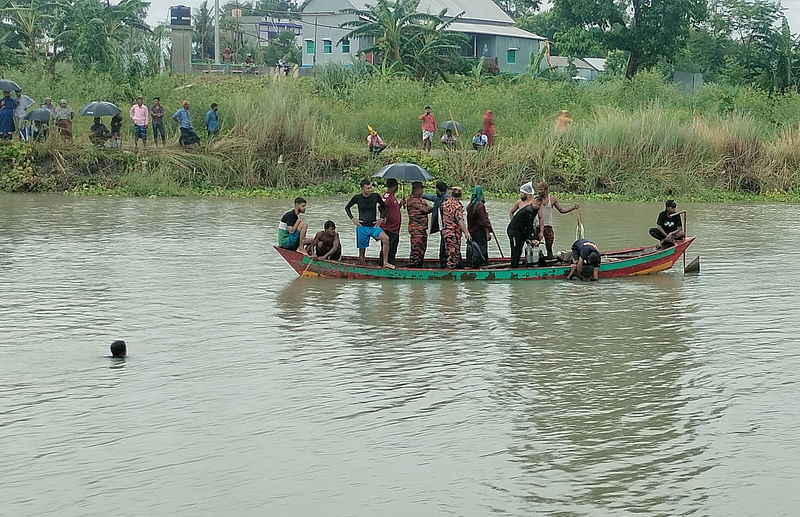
546	213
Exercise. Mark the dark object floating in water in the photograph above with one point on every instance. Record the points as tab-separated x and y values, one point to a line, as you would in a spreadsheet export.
118	348
693	266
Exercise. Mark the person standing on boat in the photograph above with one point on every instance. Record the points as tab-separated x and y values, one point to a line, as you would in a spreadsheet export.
453	226
394	218
478	224
291	230
368	226
526	198
585	257
522	229
418	211
438	199
326	245
669	227
546	215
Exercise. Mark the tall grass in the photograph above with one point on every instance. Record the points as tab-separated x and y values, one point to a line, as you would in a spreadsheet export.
640	137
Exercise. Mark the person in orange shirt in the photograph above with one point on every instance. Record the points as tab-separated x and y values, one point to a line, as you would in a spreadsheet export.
488	127
428	128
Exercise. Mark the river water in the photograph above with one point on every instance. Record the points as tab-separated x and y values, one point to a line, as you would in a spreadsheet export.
248	391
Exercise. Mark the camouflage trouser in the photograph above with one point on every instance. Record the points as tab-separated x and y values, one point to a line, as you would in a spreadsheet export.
419	244
452	247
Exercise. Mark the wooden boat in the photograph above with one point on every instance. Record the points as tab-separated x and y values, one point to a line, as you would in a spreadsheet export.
628	262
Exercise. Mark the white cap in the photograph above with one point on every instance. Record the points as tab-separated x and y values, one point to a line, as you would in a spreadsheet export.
527	188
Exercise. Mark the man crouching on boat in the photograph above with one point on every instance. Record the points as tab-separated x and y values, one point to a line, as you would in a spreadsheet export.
292	231
368	226
326	244
585	260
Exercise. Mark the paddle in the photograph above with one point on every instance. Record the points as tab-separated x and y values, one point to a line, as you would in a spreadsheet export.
498	245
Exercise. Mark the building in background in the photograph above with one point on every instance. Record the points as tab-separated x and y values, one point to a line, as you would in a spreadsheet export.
492	33
585	69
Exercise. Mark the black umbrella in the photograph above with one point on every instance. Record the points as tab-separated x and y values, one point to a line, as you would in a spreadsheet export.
7	85
403	171
452	126
40	115
99	109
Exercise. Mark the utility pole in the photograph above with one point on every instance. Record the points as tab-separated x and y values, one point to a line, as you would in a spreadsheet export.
216	32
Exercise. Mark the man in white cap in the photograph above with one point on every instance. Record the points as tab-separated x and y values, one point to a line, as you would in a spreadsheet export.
526	196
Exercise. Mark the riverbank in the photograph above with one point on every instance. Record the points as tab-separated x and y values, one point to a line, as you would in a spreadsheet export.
640	139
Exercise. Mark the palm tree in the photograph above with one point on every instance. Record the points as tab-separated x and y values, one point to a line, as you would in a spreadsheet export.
389	23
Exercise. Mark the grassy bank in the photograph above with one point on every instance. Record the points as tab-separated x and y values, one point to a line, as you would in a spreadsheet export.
634	140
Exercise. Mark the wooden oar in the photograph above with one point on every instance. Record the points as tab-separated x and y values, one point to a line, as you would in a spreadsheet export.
498	245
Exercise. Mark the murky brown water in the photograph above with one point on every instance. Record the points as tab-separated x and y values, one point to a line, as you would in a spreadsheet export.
251	392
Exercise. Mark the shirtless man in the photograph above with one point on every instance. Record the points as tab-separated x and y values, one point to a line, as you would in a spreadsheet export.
326	245
526	198
546	215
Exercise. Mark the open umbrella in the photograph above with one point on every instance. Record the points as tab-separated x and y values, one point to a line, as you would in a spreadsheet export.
452	125
40	115
99	109
7	85
403	171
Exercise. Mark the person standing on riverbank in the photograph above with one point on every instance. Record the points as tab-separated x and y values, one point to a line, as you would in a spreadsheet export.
478	224
184	119
488	127
563	121
438	199
418	211
157	116
212	121
546	215
368	225
116	131
291	230
394	218
7	105
48	105
64	116
428	128
20	111
139	114
454	225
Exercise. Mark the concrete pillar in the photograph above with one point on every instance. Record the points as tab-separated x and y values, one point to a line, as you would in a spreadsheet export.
181	49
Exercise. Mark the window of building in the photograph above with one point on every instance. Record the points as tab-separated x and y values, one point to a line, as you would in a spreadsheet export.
511	55
309	46
326	46
345	46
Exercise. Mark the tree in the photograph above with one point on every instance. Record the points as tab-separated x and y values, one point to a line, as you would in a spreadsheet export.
203	33
647	29
518	8
389	23
406	39
282	46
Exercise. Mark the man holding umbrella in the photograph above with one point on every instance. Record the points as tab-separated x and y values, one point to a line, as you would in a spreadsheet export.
7	105
394	218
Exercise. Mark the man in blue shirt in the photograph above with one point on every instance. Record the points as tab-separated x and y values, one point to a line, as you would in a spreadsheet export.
188	136
212	121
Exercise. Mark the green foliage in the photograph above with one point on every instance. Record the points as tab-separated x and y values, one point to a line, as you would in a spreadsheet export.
647	30
407	40
283	46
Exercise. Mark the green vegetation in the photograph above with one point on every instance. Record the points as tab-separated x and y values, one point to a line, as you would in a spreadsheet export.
637	139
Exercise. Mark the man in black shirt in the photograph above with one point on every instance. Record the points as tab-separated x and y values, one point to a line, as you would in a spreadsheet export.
522	229
585	260
668	227
291	230
368	225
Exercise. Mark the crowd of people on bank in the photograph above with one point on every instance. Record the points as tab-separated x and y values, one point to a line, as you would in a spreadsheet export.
483	139
379	218
15	119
